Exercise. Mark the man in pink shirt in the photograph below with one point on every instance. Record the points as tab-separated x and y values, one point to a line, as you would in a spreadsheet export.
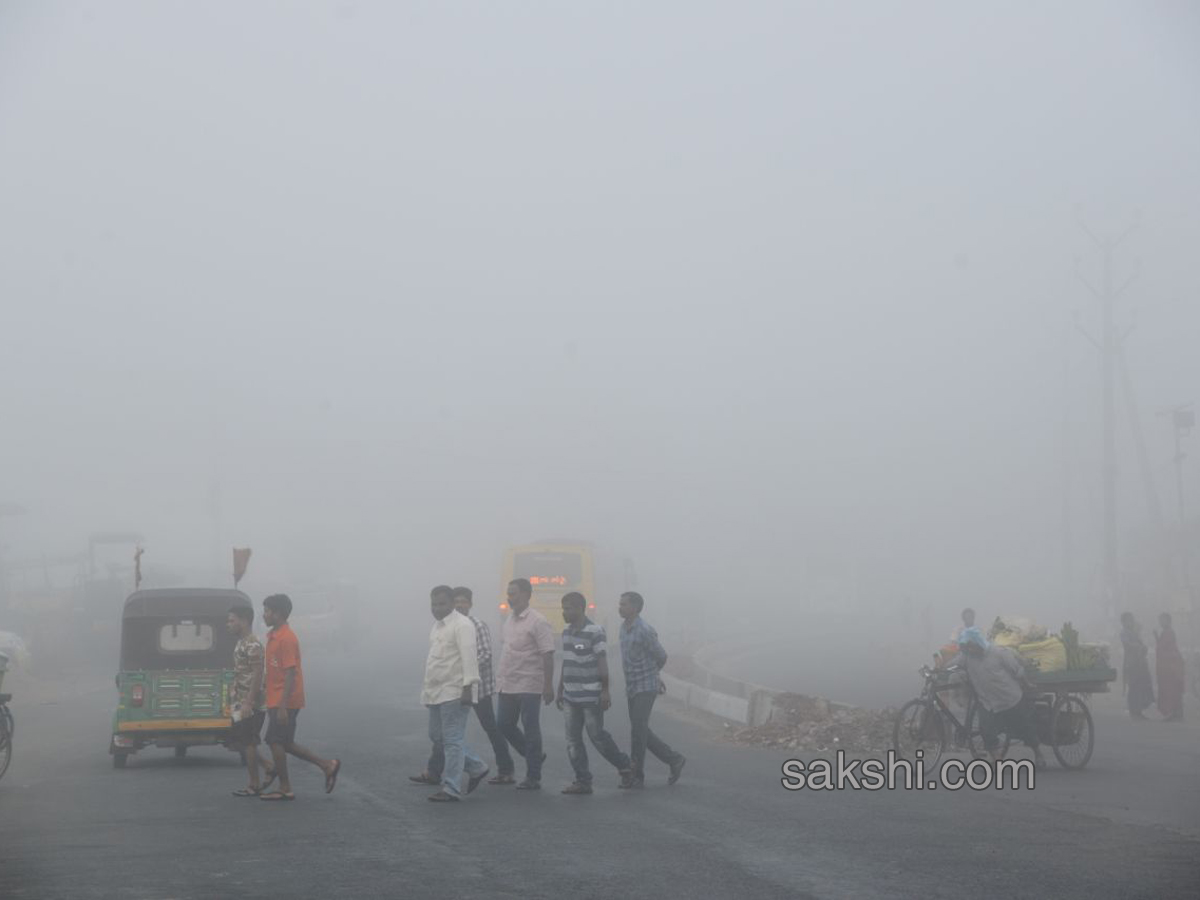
525	681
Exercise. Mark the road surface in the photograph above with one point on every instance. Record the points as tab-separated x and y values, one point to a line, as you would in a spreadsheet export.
73	827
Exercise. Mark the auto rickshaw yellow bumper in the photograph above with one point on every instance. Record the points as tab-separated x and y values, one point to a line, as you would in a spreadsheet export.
175	725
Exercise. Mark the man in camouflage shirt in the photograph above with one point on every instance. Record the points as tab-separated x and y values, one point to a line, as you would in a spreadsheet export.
246	696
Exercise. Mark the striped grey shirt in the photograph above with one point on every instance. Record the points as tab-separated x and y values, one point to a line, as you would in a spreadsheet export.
582	650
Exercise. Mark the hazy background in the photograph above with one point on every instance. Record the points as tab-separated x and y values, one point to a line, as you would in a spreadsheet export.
774	298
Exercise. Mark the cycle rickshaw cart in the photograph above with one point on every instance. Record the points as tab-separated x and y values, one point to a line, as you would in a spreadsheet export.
1061	714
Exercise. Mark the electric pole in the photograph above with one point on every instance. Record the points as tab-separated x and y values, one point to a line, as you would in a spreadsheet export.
1183	419
1108	345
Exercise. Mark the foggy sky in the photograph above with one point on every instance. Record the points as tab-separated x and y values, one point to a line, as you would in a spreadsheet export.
743	291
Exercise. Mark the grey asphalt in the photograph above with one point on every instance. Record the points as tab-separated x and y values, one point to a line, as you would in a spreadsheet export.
73	827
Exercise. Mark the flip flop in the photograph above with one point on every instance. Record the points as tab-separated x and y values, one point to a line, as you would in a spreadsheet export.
276	795
331	778
247	792
443	797
424	779
502	779
473	781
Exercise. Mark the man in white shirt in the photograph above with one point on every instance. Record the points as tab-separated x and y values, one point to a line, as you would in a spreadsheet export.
451	683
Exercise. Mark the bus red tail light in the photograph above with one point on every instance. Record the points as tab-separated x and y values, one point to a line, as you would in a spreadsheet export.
137	695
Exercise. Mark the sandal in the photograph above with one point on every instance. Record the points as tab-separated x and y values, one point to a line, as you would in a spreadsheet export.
424	778
247	792
277	795
502	779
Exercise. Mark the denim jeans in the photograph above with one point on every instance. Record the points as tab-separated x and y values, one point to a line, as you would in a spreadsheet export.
641	738
486	713
528	708
591	716
447	728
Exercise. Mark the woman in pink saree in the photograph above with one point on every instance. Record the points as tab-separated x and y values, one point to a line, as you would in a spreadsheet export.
1169	665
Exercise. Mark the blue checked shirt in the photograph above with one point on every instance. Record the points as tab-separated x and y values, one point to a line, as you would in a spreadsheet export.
641	657
483	652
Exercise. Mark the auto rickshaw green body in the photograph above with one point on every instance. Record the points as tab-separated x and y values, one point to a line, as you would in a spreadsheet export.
175	672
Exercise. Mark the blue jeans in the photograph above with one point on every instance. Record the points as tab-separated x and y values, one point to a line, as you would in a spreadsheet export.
590	716
486	713
447	728
527	707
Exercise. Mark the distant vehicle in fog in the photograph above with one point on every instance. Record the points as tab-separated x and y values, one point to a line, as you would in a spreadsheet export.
326	617
560	566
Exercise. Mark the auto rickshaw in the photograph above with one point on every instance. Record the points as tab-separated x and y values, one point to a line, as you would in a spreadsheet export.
176	671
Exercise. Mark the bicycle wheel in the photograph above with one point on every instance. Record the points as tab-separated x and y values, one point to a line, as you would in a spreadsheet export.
919	726
975	742
6	736
1073	730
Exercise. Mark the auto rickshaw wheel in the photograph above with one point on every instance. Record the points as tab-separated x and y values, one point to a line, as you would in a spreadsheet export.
181	751
119	760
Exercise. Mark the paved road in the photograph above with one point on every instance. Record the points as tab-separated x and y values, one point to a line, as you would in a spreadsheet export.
73	827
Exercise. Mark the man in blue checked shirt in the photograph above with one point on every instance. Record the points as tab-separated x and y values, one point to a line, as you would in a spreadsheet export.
583	694
642	656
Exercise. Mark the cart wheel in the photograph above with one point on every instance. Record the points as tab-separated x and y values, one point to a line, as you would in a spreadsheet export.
1073	731
5	744
919	726
181	751
119	760
975	735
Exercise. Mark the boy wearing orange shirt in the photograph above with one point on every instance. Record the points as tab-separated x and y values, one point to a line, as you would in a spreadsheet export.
285	699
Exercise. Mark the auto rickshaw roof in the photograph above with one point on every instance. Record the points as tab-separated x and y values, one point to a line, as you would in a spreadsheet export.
183	601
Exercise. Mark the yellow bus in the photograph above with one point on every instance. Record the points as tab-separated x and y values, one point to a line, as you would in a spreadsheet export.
553	568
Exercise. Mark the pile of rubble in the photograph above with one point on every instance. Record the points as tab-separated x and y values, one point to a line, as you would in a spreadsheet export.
813	724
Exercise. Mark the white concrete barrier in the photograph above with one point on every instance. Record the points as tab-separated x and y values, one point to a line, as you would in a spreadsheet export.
693	696
743	702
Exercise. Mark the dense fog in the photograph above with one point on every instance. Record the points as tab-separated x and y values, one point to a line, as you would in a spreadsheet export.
778	301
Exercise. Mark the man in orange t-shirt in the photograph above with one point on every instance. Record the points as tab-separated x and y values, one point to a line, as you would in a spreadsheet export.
285	699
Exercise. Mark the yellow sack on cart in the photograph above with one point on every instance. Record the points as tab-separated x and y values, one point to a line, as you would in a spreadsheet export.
1049	655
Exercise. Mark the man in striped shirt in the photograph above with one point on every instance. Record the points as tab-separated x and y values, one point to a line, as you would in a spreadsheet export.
485	709
583	694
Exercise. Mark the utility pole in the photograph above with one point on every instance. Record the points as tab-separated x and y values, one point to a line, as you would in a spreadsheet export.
1108	346
1068	551
1158	527
1183	419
